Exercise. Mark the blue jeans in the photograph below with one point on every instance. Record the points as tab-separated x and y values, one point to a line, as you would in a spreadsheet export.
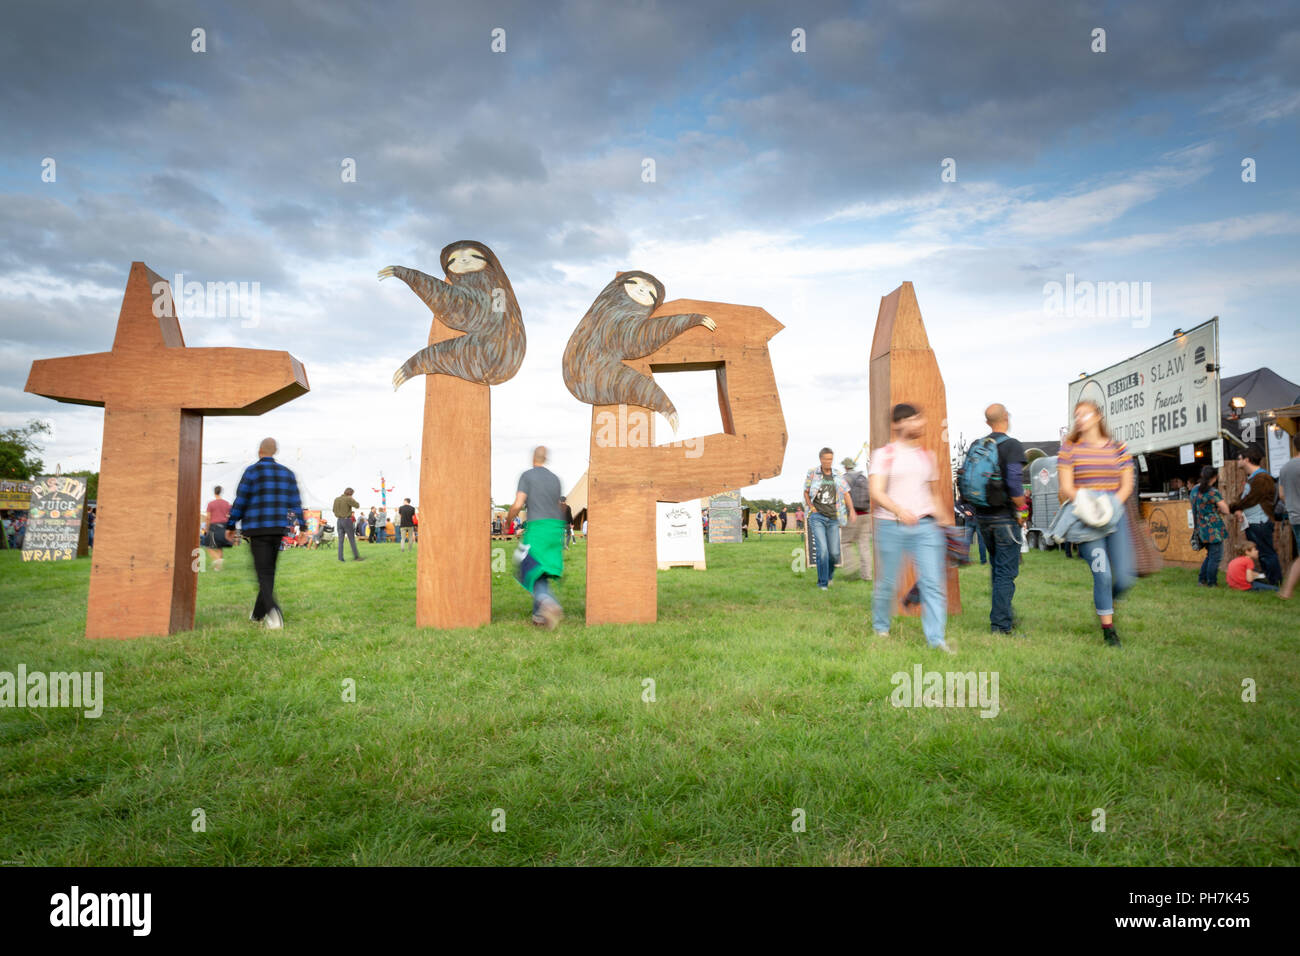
826	544
925	544
381	533
973	530
1210	566
1261	586
1112	562
1262	535
542	593
1004	554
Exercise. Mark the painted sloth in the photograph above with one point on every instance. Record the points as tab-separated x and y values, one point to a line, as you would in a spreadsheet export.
492	348
618	326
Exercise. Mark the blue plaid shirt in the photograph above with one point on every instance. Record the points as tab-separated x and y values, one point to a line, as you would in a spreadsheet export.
267	498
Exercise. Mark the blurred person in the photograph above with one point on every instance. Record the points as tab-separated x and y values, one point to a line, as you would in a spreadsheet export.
218	511
1256	504
1091	459
540	556
906	506
267	493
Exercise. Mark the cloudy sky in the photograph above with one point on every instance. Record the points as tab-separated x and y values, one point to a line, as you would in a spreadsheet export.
809	183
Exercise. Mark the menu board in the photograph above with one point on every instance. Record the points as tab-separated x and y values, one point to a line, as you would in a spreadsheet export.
1161	398
724	518
15	495
56	519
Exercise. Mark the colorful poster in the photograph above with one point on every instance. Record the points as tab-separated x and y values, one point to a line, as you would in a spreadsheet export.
56	521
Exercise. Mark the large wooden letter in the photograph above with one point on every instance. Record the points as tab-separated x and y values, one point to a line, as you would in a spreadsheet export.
155	392
904	369
628	473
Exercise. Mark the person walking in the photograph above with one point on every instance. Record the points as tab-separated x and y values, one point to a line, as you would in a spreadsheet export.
992	482
1256	504
267	495
406	523
1288	491
826	495
372	520
566	514
344	526
785	517
1090	459
858	533
540	556
904	485
218	514
1208	511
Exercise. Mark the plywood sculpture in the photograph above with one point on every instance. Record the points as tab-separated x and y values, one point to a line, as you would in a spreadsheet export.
628	334
476	340
155	393
904	369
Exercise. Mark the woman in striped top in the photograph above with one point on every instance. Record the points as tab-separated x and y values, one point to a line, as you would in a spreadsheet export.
1090	458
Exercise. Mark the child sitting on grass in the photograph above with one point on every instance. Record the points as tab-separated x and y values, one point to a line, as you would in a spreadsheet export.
1242	574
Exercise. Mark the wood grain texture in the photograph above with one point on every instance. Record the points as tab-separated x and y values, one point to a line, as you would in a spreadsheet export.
454	552
626	477
155	393
904	369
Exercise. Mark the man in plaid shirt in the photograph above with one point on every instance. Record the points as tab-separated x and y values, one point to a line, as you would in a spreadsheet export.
266	497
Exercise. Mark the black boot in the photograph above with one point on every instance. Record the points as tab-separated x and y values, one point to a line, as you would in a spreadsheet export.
1110	637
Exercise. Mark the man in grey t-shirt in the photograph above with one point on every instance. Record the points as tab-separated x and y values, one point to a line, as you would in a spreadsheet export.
540	555
1288	489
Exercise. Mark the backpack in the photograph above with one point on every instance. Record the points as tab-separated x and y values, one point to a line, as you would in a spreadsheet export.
860	492
980	479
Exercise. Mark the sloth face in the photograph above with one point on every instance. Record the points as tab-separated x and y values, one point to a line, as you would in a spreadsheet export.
640	290
466	259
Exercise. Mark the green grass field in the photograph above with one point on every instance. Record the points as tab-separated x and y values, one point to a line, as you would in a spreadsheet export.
770	696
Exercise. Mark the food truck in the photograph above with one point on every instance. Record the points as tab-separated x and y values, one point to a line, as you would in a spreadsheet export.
1167	405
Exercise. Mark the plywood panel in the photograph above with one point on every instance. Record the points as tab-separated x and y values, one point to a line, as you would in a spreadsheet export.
904	369
630	473
155	392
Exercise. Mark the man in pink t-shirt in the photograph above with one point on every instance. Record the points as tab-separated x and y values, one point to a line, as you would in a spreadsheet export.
218	514
905	503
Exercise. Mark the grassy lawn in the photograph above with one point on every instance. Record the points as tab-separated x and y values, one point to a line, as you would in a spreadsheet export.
769	696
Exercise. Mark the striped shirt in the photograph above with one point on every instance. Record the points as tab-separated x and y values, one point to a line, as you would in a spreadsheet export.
1098	467
266	498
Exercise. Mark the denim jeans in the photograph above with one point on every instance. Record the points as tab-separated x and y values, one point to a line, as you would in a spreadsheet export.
1112	562
382	534
1261	586
541	593
925	544
1262	535
826	544
1004	554
1210	566
973	531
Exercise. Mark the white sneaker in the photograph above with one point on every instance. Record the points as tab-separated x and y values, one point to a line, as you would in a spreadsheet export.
273	619
943	646
216	565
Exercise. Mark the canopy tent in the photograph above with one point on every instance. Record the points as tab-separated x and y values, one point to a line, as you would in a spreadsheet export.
1262	389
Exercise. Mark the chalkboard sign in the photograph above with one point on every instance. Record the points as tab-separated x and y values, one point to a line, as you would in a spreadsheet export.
725	518
56	520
